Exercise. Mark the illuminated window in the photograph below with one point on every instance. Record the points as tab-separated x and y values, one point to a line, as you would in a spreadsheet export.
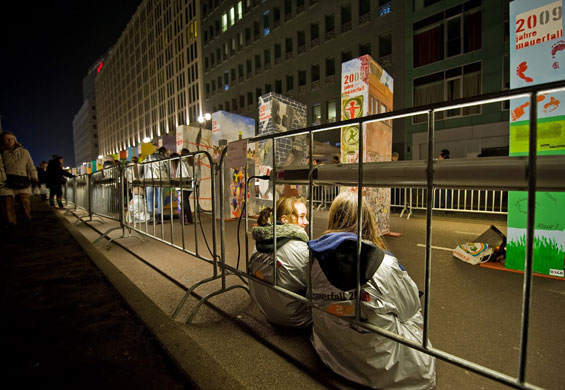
232	16
239	10
224	22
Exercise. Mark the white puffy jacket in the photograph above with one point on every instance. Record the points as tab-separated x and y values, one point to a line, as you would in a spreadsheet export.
292	266
390	300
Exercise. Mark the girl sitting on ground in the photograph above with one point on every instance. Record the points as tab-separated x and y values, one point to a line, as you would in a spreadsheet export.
291	262
389	300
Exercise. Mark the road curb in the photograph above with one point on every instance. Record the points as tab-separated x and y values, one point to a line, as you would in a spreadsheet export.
191	358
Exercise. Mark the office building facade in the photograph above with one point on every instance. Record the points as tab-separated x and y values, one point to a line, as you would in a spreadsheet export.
150	81
85	128
456	49
293	48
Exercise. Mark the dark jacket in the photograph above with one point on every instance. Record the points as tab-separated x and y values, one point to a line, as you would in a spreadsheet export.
41	176
56	174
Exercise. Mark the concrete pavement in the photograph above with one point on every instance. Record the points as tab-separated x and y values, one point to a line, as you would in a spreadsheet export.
474	313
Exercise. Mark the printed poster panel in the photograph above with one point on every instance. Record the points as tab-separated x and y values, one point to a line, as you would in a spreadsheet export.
537	55
366	89
198	139
228	129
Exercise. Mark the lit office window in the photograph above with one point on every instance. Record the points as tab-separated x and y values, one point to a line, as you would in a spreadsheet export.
232	16
239	10
224	22
266	23
332	114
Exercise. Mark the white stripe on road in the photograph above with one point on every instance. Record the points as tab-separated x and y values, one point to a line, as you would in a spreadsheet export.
466	233
437	247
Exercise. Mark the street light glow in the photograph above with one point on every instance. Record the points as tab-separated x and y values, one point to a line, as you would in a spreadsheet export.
100	157
200	119
146	140
207	116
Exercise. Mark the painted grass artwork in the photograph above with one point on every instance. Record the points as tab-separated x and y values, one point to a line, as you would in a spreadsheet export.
547	255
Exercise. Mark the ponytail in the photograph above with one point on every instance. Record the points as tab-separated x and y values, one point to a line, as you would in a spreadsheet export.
265	216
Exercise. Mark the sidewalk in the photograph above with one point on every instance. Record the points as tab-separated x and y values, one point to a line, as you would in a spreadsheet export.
475	312
63	325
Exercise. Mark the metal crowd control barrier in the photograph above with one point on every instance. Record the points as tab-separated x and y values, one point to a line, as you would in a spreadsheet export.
107	200
159	193
323	196
526	173
531	173
450	199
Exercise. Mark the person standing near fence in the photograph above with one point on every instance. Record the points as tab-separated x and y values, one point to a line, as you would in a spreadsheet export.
55	180
185	173
20	176
291	261
389	300
154	172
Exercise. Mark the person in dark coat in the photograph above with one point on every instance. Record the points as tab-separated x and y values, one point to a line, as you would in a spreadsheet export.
42	180
55	180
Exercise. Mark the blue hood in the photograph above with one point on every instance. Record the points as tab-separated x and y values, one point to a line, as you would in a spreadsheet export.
337	256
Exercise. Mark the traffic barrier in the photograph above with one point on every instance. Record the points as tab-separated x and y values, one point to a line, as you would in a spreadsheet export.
418	185
467	194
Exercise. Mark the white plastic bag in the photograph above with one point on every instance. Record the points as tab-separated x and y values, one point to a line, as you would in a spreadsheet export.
137	209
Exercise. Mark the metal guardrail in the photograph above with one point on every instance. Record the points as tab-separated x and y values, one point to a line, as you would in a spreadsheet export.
424	178
450	200
424	174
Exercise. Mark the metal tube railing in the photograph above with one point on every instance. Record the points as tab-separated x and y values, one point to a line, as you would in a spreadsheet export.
519	173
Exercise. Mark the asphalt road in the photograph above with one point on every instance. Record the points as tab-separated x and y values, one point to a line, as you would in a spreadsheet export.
475	312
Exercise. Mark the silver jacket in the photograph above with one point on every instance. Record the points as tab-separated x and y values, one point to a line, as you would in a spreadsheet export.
390	301
292	266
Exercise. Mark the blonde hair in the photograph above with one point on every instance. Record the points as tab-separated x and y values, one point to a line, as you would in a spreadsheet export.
343	218
285	208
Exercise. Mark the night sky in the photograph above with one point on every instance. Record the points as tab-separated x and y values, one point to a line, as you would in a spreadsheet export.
46	51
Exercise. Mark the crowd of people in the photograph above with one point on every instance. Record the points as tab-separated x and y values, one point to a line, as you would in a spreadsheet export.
389	297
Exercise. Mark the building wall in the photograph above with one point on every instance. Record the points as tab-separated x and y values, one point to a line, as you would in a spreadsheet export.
258	34
85	133
149	83
492	57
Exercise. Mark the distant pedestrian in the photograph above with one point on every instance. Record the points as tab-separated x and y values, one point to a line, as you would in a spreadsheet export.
185	172
42	180
20	176
444	154
394	156
155	172
335	160
55	180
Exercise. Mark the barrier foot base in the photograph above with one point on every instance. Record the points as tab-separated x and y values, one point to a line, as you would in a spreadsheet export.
195	310
189	291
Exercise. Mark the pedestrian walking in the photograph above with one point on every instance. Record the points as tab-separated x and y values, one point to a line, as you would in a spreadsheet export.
56	177
21	175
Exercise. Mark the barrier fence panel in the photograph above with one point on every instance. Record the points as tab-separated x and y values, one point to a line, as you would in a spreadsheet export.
479	191
69	191
465	187
82	197
105	188
449	199
164	201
